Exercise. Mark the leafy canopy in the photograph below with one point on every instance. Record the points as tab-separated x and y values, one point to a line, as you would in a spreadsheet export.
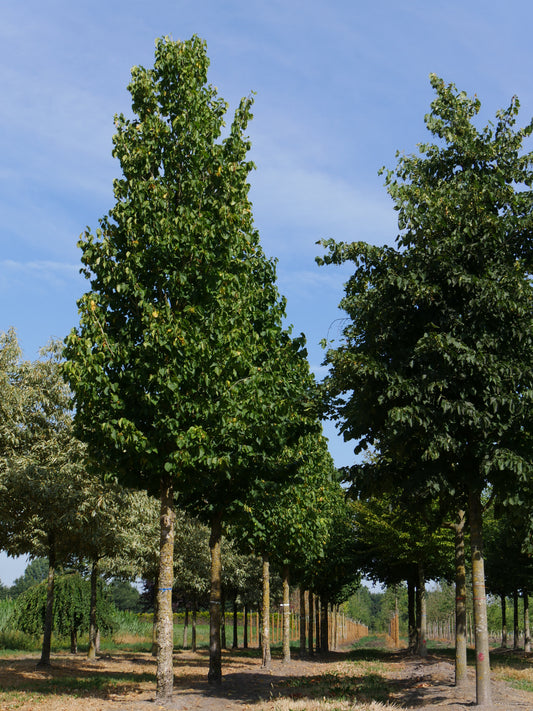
180	364
435	362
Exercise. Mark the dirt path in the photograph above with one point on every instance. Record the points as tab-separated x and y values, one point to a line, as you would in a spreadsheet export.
125	682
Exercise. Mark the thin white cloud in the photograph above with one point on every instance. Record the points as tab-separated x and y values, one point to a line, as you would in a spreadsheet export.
303	205
47	273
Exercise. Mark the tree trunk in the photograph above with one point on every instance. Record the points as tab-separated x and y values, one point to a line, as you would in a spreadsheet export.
265	636
245	630
165	578
185	628
421	616
73	641
223	643
286	616
302	622
515	620
155	617
311	622
49	613
193	626
411	615
324	627
483	689
215	601
93	627
527	633
235	644
460	600
503	604
317	624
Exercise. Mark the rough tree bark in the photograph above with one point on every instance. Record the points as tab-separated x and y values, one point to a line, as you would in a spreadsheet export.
165	620
235	643
310	633
265	636
286	617
460	600
527	633
411	615
324	625
245	630
215	601
317	624
302	622
48	617
421	615
483	688
93	627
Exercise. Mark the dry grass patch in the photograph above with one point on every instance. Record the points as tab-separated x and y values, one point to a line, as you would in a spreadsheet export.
325	705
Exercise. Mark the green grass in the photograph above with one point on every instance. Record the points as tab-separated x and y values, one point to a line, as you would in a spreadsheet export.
349	684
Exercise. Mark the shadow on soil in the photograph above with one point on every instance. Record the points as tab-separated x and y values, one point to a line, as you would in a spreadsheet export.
363	679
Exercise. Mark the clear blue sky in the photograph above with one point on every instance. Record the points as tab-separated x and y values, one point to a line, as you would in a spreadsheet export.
340	87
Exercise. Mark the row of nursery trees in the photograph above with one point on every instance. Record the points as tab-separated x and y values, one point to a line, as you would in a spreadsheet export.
188	387
433	375
181	381
56	502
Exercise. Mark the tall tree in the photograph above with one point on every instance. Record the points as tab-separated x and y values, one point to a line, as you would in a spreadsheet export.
177	362
44	484
436	357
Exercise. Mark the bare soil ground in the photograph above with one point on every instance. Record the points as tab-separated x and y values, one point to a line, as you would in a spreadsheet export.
335	682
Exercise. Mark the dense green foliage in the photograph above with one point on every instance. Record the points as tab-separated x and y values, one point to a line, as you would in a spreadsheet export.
172	365
70	609
124	596
436	356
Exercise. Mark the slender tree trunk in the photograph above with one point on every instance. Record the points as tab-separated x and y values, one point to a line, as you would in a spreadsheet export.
165	619
49	613
503	604
335	613
215	601
483	689
235	644
193	626
311	622
302	622
527	633
515	620
286	616
185	628
73	641
421	612
223	643
460	600
411	615
317	624
324	626
155	617
265	636
245	630
93	627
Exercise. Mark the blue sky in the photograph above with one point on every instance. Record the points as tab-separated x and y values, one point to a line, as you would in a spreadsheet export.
340	87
